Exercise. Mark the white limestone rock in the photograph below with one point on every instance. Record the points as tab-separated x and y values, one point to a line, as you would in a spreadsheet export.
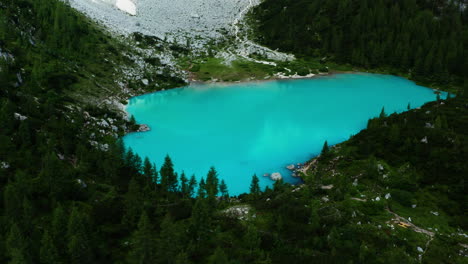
20	117
144	128
276	176
4	165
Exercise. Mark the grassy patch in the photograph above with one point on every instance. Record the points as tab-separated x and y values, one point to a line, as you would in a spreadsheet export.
214	68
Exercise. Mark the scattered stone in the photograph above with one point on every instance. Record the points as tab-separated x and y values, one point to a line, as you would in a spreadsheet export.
20	117
103	123
435	213
413	206
325	199
387	196
327	187
82	183
276	176
104	147
4	165
240	211
377	199
380	167
424	140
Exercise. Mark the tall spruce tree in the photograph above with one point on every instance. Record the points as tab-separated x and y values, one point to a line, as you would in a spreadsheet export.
212	183
143	243
168	175
254	186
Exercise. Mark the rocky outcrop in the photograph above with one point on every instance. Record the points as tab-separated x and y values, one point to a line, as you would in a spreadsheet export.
143	128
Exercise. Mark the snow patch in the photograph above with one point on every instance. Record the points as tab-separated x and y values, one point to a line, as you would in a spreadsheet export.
127	6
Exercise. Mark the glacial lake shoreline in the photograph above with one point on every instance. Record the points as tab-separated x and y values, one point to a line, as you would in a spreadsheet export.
278	91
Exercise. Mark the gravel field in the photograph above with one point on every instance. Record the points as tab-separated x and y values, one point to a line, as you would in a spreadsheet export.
174	19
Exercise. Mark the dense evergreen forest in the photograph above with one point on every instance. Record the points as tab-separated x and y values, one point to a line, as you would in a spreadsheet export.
424	39
71	193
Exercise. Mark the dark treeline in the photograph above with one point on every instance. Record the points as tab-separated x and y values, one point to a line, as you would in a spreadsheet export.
63	200
426	38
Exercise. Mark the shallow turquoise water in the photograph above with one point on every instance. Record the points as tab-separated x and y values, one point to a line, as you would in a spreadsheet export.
261	127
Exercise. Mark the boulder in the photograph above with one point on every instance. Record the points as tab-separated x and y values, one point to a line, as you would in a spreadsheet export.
291	167
143	128
276	176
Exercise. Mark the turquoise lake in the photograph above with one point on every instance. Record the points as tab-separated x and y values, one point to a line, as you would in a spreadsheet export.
261	127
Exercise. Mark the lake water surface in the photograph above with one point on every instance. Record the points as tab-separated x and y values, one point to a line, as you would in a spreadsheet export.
261	127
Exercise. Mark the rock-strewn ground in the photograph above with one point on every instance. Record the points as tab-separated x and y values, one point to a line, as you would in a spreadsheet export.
176	19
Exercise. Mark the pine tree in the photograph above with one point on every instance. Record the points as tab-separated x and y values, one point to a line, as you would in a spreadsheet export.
79	249
252	239
382	113
149	170
143	243
325	149
59	229
438	123
11	202
255	187
48	252
171	240
182	258
200	221
133	204
218	257
16	246
223	189
184	185
191	186
212	183
168	176
201	193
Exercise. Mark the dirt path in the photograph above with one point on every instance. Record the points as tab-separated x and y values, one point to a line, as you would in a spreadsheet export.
244	43
415	229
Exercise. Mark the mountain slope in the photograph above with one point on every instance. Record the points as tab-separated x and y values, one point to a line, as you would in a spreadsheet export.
425	40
